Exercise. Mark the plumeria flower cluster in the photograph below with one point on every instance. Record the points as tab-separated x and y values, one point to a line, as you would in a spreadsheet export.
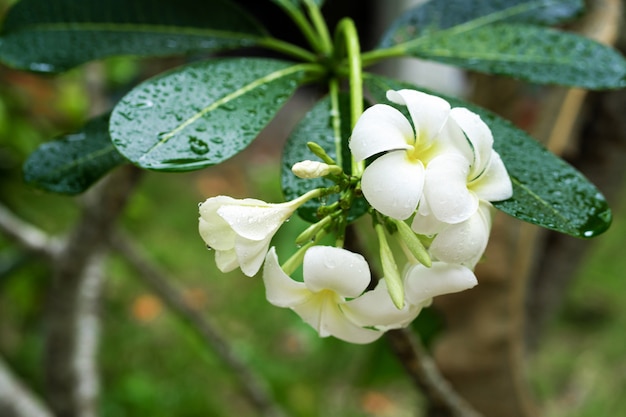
430	187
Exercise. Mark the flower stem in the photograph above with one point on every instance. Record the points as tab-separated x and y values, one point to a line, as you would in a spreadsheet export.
320	25
346	32
290	266
288	49
309	195
377	55
335	114
303	24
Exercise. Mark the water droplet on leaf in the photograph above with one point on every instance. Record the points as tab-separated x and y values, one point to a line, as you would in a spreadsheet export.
198	146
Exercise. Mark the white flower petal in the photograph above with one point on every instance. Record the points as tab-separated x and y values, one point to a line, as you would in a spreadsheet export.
280	289
446	190
429	113
465	242
393	185
478	134
380	128
494	184
425	222
255	221
376	309
213	229
423	283
325	316
335	269
226	260
451	139
251	254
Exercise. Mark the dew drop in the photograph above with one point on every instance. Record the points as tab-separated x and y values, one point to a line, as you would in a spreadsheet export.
217	141
143	104
198	146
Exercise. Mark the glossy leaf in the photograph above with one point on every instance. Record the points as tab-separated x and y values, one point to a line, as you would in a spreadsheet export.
202	114
536	54
547	191
72	163
500	37
317	126
435	16
53	36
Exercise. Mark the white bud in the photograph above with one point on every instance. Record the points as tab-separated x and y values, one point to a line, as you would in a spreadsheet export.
311	169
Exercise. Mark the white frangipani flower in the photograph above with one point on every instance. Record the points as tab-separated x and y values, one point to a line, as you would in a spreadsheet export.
331	276
394	182
462	243
422	284
454	186
376	309
240	230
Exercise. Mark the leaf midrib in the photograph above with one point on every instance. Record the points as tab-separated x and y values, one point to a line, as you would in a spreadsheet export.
232	96
477	23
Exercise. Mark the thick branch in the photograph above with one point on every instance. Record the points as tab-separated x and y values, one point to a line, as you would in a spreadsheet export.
424	372
253	388
15	399
71	319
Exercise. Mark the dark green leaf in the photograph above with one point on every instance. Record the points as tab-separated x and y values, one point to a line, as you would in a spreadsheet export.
202	114
72	163
546	190
317	126
435	16
536	54
53	36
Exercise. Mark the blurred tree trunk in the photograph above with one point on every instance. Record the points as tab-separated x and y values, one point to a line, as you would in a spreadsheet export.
72	333
528	269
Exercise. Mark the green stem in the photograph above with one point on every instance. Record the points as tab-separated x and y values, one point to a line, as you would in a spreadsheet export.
377	55
346	31
335	115
305	26
320	25
296	259
309	195
288	49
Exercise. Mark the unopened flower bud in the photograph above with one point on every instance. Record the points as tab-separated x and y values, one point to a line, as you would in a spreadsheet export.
314	169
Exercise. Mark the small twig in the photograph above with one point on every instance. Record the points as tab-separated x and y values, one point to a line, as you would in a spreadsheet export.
28	236
158	281
15	399
423	370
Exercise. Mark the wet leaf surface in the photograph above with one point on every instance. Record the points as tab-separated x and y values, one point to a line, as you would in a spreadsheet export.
72	163
504	37
201	114
53	36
